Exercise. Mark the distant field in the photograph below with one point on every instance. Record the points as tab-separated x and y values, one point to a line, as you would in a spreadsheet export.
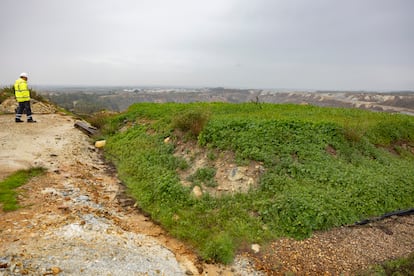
323	168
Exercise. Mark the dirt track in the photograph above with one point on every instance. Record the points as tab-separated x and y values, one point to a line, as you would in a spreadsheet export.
72	221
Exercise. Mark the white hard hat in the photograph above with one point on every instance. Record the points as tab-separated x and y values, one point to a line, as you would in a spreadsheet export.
24	75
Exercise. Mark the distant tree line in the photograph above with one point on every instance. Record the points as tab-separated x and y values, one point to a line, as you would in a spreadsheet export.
82	103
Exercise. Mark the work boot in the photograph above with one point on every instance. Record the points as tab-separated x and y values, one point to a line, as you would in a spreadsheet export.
19	121
30	121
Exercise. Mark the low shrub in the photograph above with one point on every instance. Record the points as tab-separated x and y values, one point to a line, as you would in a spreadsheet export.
192	120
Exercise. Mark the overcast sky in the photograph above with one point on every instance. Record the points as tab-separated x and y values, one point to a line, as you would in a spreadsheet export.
297	44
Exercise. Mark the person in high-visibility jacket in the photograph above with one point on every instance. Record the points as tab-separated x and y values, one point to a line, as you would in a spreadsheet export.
22	94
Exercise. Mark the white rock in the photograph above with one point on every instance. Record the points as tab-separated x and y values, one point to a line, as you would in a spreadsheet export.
197	192
256	248
100	144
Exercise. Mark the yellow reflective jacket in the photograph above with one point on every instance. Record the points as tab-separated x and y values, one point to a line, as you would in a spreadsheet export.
21	90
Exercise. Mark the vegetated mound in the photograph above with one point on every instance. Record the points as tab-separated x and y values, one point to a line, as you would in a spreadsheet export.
322	168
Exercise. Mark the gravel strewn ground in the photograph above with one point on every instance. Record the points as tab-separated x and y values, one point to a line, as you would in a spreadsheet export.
73	221
343	250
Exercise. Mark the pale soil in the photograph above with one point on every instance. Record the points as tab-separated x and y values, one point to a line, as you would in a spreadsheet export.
74	221
230	178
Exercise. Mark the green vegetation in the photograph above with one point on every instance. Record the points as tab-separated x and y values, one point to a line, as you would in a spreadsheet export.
204	176
324	167
191	120
8	194
6	92
401	266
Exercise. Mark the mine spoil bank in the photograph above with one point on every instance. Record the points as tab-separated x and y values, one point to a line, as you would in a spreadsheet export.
77	220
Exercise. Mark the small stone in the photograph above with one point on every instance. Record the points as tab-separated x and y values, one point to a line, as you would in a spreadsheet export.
235	174
100	144
197	192
250	181
256	248
55	270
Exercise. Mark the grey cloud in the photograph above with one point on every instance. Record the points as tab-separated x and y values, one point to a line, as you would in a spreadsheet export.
322	44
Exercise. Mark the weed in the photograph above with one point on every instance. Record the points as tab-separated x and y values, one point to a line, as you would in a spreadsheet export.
220	248
7	187
204	176
211	155
400	266
192	121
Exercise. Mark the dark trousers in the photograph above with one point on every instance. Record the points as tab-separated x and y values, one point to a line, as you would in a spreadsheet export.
24	107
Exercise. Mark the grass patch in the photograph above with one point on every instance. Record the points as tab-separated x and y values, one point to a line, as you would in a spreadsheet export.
304	188
400	266
204	176
8	194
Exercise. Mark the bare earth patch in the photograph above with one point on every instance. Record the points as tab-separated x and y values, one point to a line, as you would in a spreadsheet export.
230	177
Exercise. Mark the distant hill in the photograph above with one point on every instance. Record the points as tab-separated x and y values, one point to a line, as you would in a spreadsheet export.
88	100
